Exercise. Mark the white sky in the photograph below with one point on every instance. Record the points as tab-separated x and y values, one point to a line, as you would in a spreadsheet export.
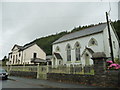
22	22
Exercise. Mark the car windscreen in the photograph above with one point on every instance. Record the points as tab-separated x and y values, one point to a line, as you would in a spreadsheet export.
2	71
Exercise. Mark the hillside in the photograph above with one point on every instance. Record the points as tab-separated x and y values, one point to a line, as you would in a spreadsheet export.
116	25
46	42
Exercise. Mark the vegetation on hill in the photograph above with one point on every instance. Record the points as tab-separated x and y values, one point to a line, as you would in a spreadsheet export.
46	42
4	60
116	25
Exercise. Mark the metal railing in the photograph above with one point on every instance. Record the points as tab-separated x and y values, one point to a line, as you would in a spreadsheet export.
72	69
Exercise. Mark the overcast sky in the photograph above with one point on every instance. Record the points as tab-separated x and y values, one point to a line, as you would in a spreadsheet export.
23	22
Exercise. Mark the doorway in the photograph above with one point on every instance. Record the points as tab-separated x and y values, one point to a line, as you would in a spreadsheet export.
87	59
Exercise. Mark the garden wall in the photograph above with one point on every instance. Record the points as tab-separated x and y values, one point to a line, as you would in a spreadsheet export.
24	74
109	79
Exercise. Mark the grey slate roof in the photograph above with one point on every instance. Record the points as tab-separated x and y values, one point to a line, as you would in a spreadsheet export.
25	46
48	57
19	47
57	55
81	33
89	49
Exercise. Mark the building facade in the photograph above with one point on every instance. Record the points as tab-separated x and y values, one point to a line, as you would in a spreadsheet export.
24	54
78	47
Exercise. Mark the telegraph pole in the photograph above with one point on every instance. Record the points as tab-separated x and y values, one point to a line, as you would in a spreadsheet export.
110	39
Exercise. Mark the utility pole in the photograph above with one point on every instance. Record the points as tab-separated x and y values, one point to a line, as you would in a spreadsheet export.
110	39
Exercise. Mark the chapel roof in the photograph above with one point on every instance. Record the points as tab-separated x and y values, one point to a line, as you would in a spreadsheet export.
82	33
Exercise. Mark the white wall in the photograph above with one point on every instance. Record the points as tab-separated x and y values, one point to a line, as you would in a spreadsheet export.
27	54
103	46
83	42
106	43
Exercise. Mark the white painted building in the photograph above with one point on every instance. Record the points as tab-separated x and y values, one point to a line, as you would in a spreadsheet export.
78	47
24	54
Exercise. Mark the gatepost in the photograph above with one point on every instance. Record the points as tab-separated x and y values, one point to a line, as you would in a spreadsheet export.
99	59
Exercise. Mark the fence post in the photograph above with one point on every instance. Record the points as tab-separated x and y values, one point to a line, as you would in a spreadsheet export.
38	70
99	59
10	69
47	68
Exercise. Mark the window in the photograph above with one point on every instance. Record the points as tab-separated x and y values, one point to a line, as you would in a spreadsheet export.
10	62
34	55
57	49
11	56
59	62
92	42
13	59
19	54
68	53
16	59
114	44
77	51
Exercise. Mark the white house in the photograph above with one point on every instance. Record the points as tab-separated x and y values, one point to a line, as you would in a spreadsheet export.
78	47
26	54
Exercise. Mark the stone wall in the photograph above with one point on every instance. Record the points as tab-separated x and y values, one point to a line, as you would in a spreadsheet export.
109	79
24	74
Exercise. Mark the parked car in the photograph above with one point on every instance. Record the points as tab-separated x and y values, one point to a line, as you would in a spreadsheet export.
3	74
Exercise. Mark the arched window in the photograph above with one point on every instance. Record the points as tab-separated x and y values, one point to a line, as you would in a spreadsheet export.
77	51
57	49
92	42
68	48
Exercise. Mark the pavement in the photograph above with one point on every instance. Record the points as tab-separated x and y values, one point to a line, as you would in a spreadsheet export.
20	82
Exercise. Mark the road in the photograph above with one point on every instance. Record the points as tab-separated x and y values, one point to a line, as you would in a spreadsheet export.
19	82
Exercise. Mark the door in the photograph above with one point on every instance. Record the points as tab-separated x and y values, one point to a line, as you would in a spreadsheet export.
87	59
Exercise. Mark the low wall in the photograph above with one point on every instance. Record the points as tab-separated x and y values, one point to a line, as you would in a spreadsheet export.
109	79
24	74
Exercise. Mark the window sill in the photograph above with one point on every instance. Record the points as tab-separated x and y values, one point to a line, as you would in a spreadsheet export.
69	62
77	61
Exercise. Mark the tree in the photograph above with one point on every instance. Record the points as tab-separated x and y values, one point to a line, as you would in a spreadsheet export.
4	60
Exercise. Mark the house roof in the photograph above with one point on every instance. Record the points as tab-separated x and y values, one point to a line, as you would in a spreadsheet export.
19	47
81	33
89	49
48	57
27	46
57	55
23	47
38	60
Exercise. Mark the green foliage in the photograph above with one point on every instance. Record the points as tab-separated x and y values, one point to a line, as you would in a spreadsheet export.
116	25
117	60
46	42
4	60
